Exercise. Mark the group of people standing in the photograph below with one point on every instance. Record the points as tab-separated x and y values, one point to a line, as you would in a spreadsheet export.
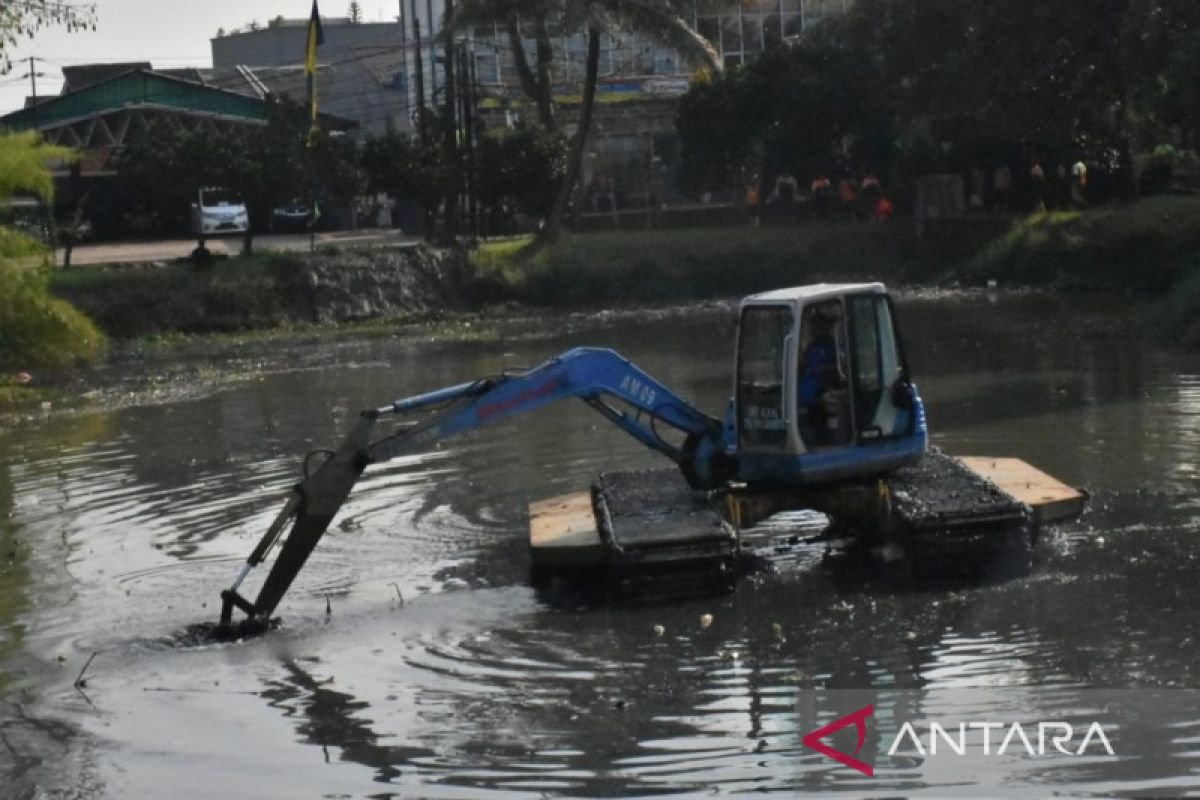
1065	186
863	199
852	199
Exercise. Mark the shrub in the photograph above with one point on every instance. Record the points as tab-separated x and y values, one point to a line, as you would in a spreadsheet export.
37	329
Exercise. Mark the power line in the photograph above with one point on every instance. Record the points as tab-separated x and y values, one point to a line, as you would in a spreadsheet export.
57	6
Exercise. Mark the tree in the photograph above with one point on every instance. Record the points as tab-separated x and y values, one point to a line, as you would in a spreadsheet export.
276	22
535	79
37	327
354	12
791	109
520	170
404	167
266	165
662	20
21	20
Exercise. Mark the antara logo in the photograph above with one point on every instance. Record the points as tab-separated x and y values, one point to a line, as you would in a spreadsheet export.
859	720
1042	739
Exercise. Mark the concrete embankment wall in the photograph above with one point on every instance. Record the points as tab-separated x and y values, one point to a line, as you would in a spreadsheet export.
267	290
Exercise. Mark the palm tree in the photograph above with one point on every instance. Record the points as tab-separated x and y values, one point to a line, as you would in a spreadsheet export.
664	21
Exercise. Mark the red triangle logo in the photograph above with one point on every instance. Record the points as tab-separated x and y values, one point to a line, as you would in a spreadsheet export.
858	720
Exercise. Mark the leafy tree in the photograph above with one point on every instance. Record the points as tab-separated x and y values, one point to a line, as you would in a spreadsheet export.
266	165
792	109
997	79
276	22
332	162
662	20
402	166
521	169
354	12
35	327
21	20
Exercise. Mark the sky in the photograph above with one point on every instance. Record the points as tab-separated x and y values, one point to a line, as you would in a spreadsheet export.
167	33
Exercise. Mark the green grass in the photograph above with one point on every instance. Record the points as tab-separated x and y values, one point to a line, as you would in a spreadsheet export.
639	267
39	330
1176	316
1144	247
237	294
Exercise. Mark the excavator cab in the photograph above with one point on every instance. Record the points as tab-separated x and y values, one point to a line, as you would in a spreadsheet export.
822	390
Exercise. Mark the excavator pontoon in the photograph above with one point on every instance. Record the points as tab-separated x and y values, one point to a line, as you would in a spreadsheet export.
823	415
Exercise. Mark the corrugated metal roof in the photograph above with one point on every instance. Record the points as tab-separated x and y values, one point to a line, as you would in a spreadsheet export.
142	88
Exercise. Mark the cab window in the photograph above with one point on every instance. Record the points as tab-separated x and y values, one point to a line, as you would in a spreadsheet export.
762	348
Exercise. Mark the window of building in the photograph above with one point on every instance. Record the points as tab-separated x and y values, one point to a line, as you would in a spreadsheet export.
666	62
731	34
752	33
487	68
772	28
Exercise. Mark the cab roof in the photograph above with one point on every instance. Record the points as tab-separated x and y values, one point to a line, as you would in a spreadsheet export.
814	292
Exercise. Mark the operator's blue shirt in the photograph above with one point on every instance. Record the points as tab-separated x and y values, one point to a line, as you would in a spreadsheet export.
818	355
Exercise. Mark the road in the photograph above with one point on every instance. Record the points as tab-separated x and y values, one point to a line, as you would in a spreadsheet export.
170	249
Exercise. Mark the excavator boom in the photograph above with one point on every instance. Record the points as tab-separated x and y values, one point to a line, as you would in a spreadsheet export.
613	386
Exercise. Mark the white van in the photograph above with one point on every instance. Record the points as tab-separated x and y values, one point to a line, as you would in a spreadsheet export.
219	212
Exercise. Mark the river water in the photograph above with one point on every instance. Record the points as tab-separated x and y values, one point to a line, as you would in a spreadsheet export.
118	529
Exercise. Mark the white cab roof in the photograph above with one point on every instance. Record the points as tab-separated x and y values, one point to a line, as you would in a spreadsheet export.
814	292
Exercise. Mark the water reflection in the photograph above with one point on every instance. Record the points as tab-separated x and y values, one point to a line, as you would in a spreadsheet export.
477	688
333	719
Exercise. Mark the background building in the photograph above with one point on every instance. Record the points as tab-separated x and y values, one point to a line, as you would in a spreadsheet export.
368	74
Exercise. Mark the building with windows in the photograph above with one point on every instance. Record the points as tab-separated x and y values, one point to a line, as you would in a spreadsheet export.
368	73
741	30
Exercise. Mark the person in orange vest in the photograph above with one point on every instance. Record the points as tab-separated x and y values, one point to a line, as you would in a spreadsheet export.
821	189
883	210
848	192
869	196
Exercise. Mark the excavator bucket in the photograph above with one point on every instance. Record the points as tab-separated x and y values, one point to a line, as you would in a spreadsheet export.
311	509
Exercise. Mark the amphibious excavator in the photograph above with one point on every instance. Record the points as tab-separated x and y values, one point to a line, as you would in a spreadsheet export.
824	414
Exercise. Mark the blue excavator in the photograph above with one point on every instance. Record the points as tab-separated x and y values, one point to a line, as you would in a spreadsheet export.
822	397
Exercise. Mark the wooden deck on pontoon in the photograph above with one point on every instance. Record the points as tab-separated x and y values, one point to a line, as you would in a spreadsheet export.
563	531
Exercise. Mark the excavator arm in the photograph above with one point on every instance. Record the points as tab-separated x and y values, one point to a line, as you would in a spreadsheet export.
616	388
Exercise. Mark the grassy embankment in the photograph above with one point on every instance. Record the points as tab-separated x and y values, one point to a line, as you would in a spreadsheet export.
653	267
1148	251
36	329
1151	249
242	293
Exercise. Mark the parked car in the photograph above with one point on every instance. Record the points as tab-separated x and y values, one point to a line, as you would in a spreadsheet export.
66	230
291	218
219	212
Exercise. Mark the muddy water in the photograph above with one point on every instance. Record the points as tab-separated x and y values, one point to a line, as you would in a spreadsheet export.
118	530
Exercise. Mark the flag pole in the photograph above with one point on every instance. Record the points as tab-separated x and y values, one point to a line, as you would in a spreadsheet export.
314	39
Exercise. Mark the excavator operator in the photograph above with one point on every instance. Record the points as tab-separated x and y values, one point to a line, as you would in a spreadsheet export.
817	363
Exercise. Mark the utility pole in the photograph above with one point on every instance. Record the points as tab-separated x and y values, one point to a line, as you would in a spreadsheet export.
471	125
450	126
33	84
420	76
432	52
403	20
